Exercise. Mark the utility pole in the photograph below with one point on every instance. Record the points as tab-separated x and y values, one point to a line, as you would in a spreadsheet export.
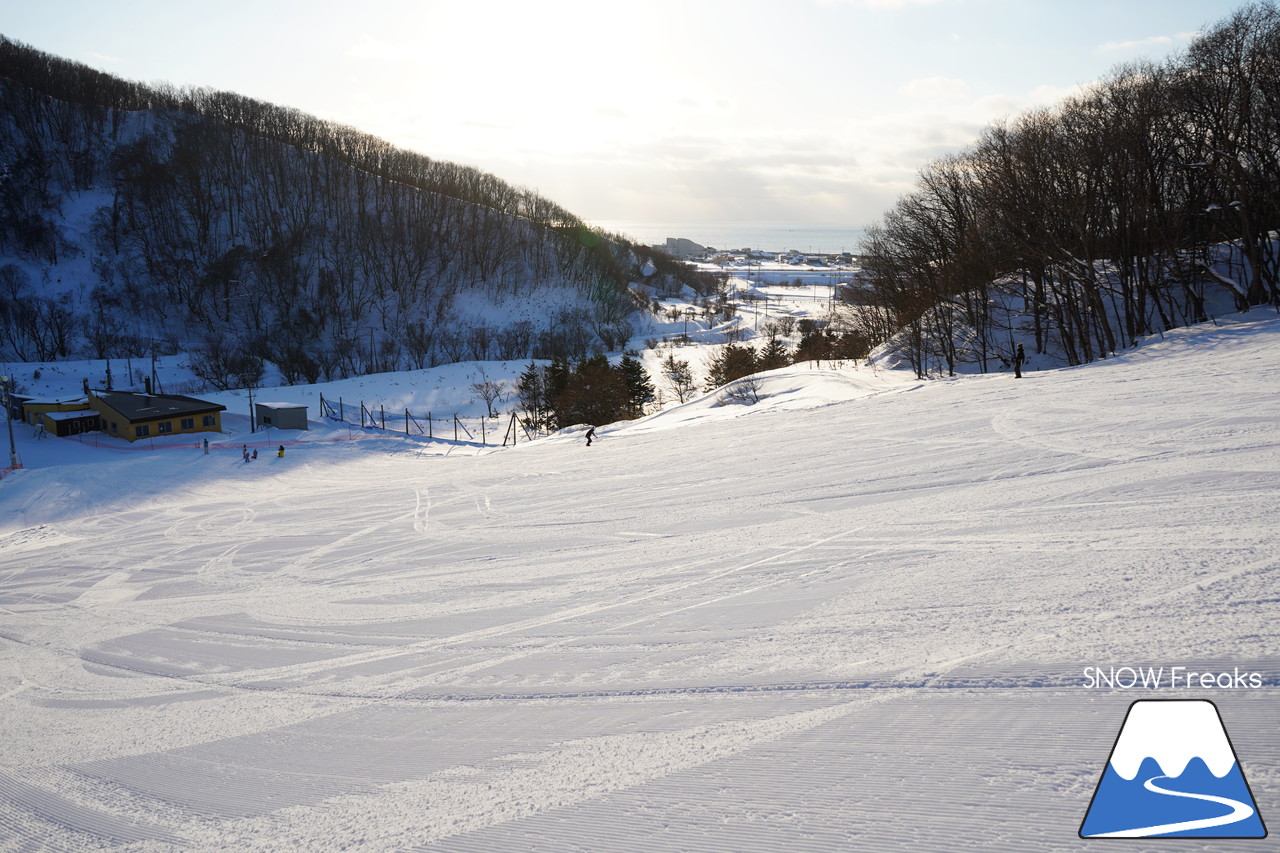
8	418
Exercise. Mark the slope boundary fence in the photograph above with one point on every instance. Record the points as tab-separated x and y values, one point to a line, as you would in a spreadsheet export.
428	425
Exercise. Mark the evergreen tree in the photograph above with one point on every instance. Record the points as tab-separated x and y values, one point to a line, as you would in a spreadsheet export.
555	380
531	393
816	345
639	388
773	356
852	345
594	394
733	362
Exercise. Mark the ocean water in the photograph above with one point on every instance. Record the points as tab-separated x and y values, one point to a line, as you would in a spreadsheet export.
826	239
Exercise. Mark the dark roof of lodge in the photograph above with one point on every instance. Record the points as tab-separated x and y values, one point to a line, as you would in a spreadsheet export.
138	407
48	401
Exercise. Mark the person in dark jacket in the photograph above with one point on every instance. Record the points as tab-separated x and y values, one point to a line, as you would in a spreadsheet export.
591	433
1018	358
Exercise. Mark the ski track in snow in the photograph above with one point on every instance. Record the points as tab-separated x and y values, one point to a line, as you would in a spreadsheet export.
860	624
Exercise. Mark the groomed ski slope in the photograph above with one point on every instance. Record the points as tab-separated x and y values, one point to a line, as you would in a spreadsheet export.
853	617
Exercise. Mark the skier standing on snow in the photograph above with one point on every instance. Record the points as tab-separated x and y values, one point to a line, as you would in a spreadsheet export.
1018	358
244	450
591	433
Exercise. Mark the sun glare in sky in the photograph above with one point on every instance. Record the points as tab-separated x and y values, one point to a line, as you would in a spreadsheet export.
805	111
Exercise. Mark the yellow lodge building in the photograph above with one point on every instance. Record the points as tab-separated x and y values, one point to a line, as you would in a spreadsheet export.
132	415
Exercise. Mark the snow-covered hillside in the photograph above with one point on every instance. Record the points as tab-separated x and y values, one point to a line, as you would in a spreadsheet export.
138	220
856	616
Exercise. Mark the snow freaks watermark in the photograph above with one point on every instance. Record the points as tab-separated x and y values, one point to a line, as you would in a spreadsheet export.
1172	678
1172	773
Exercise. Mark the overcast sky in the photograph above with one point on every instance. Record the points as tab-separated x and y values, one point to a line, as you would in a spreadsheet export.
766	111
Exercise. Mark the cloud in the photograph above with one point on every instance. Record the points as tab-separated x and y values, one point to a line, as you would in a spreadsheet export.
1152	42
687	174
881	4
489	125
371	47
850	168
935	88
1045	96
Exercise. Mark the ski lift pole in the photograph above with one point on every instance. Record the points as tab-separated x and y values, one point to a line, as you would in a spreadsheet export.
8	417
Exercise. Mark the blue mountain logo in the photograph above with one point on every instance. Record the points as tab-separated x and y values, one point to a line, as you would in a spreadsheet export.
1173	773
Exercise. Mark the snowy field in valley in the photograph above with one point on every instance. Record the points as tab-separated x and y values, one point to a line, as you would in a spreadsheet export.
856	616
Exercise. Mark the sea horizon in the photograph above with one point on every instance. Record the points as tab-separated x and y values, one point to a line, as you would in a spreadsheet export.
725	235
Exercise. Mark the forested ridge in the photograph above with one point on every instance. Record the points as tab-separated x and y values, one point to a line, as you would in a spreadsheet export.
1141	204
252	232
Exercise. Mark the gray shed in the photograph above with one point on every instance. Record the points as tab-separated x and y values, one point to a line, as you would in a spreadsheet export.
280	415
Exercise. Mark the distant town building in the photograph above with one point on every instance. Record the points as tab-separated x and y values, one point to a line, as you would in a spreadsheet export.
679	247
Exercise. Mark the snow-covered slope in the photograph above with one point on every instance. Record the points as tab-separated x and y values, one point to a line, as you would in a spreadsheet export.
853	617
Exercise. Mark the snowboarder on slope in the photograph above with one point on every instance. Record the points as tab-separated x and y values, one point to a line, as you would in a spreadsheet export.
1018	358
591	433
244	450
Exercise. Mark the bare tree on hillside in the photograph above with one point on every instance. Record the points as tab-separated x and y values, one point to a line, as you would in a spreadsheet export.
679	378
